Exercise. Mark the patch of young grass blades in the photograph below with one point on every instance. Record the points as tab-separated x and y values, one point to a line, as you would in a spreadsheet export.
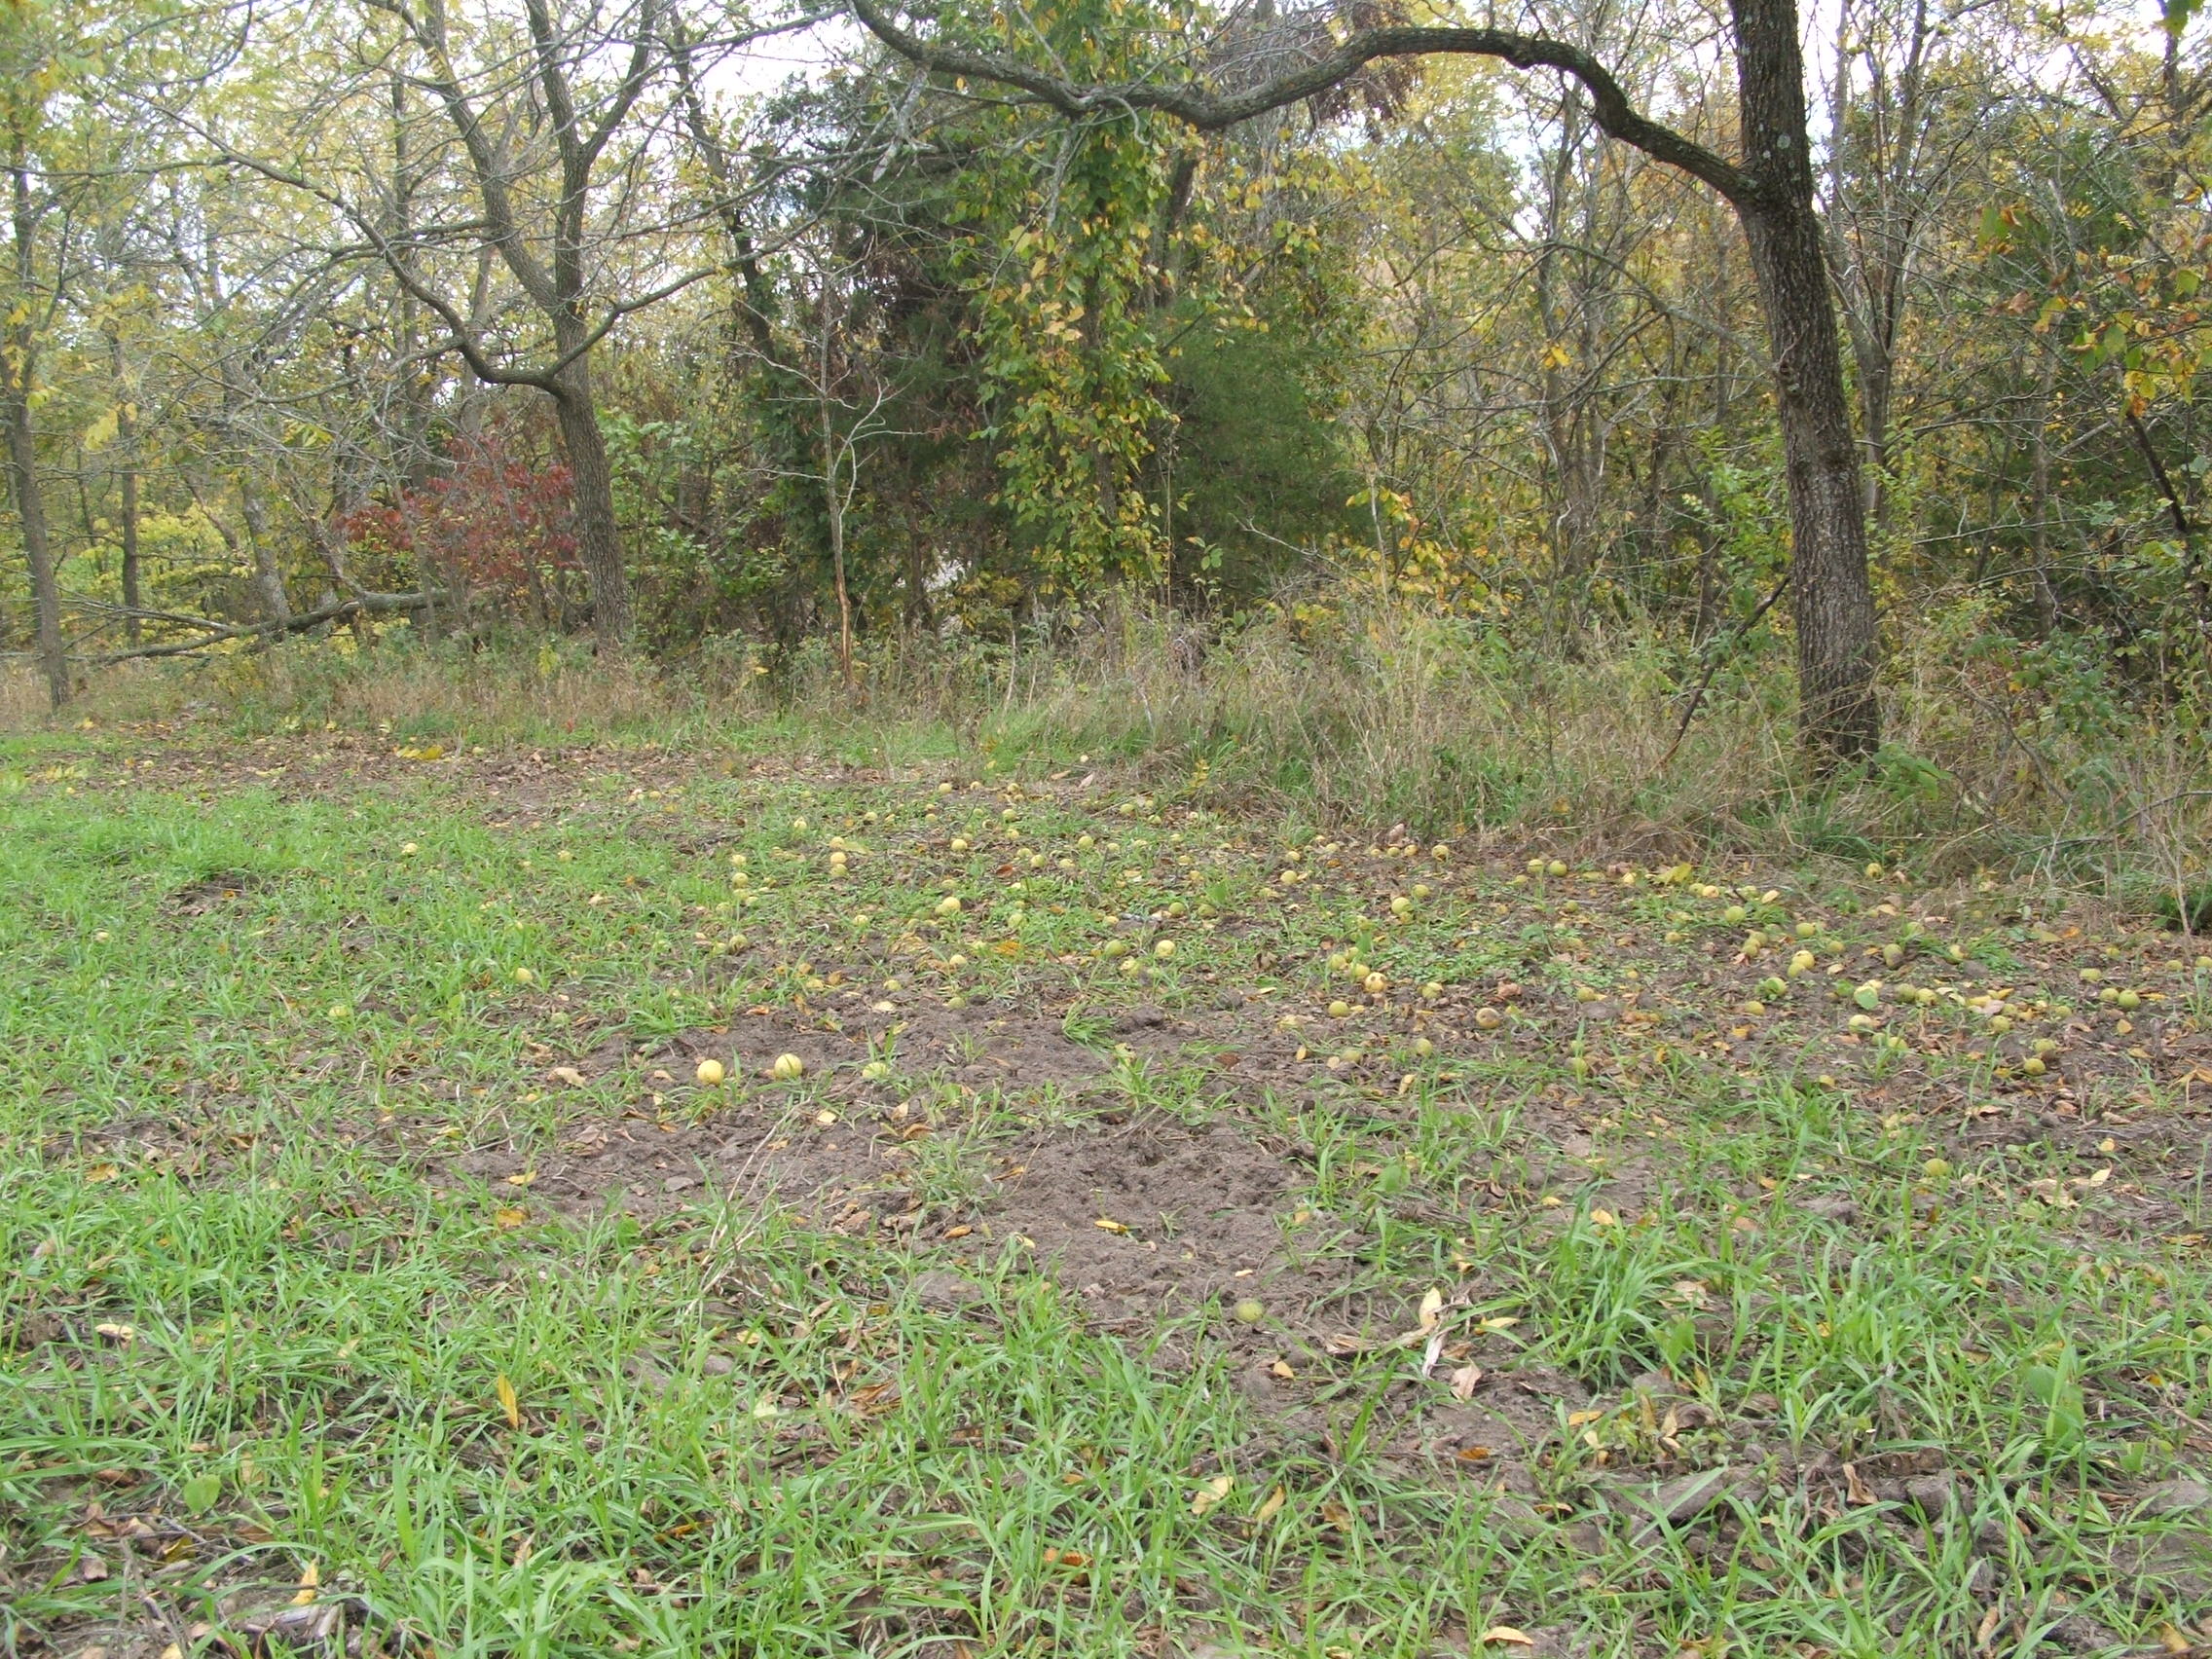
273	1350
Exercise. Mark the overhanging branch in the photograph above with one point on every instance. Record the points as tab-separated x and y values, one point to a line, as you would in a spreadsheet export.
1210	112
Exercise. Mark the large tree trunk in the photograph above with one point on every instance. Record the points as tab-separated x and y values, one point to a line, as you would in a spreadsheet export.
268	575
592	477
1839	717
133	593
126	459
18	374
30	506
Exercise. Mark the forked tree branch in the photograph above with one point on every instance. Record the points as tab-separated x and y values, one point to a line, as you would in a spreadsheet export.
1209	112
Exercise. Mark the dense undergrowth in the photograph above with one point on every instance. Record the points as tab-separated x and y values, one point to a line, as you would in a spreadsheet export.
2041	761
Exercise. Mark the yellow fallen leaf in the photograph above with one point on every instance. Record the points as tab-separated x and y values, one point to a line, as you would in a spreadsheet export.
1603	1218
569	1075
102	1172
1431	1305
509	1217
1503	1322
1505	1635
1110	1225
1211	1494
1464	1381
524	1179
509	1401
309	1581
1272	1507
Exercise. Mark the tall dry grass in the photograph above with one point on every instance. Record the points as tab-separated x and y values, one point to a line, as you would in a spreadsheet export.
550	690
1363	710
1382	712
24	703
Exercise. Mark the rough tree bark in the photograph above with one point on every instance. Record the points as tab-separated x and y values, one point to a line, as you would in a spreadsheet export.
1771	190
126	460
261	547
18	375
1830	590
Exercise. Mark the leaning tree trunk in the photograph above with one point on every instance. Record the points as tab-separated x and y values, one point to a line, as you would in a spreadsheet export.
1830	590
592	478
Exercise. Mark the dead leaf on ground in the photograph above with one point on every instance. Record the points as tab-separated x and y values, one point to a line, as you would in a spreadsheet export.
1860	1492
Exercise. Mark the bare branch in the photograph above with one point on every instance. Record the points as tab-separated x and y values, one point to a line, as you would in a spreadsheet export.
360	605
1210	112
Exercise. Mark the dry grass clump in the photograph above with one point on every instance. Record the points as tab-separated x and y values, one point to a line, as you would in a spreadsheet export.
23	697
1361	708
131	690
1378	712
550	690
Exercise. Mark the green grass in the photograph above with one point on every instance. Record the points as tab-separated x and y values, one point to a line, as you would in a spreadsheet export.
254	1027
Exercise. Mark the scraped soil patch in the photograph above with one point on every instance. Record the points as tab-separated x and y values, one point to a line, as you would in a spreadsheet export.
210	893
1139	1216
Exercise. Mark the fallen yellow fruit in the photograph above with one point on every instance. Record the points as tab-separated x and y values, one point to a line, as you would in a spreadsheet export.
710	1073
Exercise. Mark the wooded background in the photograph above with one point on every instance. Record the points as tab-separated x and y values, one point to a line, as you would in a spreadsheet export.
687	326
